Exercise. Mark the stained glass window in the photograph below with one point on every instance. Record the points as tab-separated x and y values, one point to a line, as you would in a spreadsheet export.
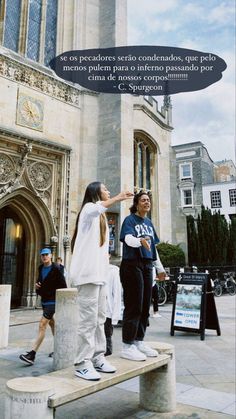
51	31
34	23
39	22
12	24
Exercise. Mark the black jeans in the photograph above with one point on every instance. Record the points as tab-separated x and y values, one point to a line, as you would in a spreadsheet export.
136	279
155	298
108	328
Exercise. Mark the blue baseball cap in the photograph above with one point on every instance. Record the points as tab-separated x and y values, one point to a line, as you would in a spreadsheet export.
45	251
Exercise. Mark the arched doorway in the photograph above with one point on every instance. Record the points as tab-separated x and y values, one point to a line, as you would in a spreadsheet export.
12	253
25	226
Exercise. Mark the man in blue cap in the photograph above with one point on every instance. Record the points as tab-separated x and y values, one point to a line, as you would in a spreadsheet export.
49	280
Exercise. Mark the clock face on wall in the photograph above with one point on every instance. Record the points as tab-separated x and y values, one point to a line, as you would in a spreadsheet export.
29	112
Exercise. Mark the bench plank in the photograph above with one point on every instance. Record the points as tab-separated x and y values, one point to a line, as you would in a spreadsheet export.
67	387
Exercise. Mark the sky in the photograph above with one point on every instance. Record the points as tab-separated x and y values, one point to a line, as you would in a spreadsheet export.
206	115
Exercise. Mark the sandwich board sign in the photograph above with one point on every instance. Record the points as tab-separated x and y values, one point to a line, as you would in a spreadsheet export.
194	307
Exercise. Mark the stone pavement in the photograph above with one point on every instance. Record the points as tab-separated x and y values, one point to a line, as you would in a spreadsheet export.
205	369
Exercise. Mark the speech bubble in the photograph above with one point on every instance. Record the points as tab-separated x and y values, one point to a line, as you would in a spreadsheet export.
140	70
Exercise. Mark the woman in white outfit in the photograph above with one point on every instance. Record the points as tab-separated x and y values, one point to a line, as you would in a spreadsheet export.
88	272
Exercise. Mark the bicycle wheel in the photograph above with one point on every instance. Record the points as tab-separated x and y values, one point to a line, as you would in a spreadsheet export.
218	290
162	296
231	287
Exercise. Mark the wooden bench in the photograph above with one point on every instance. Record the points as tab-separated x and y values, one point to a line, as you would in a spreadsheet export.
157	385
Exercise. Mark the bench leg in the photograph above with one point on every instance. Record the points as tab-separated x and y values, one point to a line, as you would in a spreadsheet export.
158	388
27	398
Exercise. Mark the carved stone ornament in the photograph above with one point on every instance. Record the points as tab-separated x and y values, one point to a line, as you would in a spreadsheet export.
54	239
38	80
66	240
40	175
7	169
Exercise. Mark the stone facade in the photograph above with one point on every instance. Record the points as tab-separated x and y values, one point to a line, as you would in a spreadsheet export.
191	167
56	137
194	168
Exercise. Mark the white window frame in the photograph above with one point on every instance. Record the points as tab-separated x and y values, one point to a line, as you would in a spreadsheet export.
182	177
232	197
214	192
183	205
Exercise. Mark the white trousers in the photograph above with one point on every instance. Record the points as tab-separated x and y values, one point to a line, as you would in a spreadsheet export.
91	319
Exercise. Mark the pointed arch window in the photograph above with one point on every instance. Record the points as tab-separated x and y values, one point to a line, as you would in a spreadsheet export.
143	164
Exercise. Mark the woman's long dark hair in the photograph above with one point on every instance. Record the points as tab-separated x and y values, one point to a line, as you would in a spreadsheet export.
92	194
133	209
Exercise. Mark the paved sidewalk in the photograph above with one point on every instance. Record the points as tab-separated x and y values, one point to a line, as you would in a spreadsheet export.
205	369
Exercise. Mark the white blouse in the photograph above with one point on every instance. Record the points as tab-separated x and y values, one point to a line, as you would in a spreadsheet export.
89	263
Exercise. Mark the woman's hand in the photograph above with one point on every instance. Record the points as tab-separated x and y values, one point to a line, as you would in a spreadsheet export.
120	197
161	276
145	241
124	195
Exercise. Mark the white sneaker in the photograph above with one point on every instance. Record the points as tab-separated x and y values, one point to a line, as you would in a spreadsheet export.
87	371
102	365
131	352
145	349
156	315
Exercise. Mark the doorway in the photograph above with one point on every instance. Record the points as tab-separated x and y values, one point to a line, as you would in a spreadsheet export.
12	253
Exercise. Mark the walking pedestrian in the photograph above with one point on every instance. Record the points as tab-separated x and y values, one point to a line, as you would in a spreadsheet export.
88	271
50	278
139	252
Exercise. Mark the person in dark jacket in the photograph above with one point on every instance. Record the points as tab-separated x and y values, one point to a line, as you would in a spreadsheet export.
50	278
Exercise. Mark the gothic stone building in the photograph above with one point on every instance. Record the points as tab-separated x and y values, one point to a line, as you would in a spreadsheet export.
56	137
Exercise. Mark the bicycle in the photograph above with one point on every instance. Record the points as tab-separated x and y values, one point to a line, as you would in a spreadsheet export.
229	284
170	287
216	284
166	290
162	294
225	284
